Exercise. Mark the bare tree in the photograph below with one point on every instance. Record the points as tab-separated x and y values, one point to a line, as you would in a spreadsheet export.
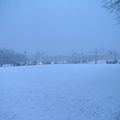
114	7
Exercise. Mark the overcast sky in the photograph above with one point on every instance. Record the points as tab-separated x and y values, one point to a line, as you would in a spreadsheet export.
57	26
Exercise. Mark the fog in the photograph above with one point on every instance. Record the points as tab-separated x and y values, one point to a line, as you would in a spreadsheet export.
57	26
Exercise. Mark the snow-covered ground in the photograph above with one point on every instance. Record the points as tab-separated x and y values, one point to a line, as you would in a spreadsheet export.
60	92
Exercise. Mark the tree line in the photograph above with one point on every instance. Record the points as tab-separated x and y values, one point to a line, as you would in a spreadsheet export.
8	56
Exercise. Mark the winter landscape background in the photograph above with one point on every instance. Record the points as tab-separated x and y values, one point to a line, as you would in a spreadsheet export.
59	59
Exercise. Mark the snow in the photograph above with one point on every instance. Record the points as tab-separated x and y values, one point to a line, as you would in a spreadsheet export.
60	92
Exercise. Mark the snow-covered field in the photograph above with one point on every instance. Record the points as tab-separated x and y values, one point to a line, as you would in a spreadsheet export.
60	92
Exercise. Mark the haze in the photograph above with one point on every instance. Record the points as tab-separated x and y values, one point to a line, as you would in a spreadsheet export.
57	26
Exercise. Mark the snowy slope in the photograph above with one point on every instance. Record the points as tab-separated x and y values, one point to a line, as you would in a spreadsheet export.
60	92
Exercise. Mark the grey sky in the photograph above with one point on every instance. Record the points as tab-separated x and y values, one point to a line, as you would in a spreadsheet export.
57	26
